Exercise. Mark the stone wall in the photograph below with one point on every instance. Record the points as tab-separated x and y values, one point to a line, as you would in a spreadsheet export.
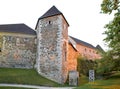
17	50
50	48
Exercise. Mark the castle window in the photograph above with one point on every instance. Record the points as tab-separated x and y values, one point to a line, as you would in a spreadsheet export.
50	22
0	50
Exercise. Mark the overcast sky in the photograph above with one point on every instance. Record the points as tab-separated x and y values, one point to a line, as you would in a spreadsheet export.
86	22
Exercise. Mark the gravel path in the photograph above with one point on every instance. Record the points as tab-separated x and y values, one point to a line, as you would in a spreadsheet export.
34	86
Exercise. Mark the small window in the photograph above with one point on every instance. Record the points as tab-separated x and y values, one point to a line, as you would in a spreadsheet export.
50	22
0	50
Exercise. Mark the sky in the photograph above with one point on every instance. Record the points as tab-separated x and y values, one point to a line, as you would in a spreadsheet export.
84	17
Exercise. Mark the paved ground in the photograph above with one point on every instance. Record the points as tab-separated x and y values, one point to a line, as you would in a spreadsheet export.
36	87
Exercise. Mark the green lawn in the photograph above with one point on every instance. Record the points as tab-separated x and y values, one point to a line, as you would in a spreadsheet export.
31	77
24	76
113	82
83	80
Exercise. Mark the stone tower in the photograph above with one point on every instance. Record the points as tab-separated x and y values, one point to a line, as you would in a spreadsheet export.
52	34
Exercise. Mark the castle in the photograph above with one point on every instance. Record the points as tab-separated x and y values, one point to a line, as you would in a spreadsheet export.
48	48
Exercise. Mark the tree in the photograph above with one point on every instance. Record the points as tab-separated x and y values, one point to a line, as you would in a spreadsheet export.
108	6
113	27
106	64
84	65
113	33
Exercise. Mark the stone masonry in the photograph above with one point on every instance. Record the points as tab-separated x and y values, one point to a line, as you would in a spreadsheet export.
51	48
17	51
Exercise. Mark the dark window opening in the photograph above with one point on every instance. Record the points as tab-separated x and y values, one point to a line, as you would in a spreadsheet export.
0	50
50	22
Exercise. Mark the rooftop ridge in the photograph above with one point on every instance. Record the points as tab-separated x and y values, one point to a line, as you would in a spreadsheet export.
82	42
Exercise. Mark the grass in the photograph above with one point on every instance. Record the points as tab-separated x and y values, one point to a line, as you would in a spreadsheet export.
24	76
31	77
112	83
83	80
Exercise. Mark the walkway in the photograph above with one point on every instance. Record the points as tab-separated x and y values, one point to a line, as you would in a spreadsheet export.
33	86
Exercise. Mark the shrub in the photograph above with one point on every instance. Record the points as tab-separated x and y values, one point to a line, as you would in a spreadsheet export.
85	65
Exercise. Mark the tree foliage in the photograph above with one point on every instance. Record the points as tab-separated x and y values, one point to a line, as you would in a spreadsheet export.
106	64
108	6
113	35
85	65
111	59
113	27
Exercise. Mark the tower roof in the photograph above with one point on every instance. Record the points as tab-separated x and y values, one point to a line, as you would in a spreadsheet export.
52	12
